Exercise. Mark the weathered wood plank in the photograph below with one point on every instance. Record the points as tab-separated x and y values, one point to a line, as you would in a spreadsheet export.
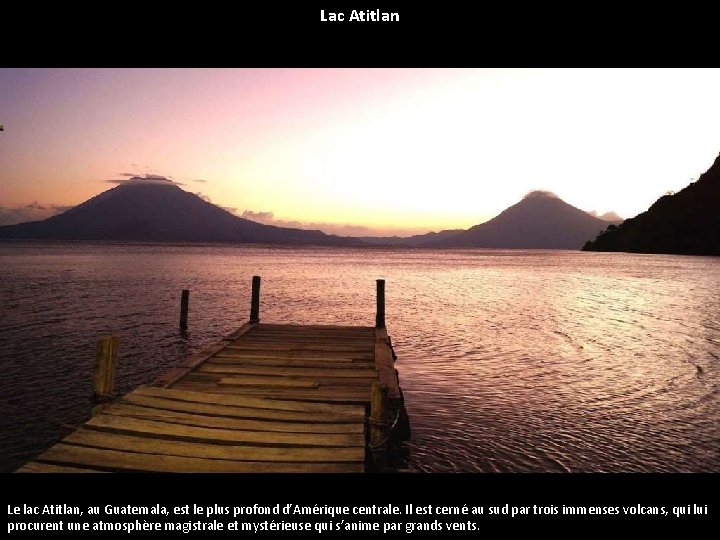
105	364
301	425
379	428
324	385
313	333
303	327
158	428
116	441
258	349
381	334
280	358
302	339
275	382
132	461
181	371
171	376
208	397
350	334
290	371
199	358
331	345
289	362
244	329
344	382
211	381
36	467
275	358
314	383
297	357
233	411
314	355
319	396
197	376
387	375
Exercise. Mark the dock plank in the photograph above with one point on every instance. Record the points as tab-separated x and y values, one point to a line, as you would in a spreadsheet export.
301	425
291	371
386	370
37	467
300	354
318	346
346	363
134	461
269	382
209	397
296	356
234	411
156	428
310	397
116	441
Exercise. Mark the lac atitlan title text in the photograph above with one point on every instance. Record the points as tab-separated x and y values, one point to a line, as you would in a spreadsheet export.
356	15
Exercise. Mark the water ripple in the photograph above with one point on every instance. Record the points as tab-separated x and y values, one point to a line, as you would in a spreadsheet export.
510	361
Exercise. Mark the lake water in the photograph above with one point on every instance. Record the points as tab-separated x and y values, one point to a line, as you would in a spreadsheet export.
509	360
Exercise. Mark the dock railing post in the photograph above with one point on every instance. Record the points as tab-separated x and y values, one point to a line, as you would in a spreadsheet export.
255	300
380	311
379	429
105	362
184	304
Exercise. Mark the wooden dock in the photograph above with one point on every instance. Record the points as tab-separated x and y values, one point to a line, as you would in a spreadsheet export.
268	398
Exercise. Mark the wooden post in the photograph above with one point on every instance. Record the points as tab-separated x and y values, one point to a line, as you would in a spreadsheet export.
380	312
105	362
379	428
184	303
255	300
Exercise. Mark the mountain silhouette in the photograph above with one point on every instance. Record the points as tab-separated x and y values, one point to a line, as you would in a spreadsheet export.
417	240
686	223
540	220
160	212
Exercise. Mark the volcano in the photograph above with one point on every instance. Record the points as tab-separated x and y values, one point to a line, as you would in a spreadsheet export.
541	220
160	212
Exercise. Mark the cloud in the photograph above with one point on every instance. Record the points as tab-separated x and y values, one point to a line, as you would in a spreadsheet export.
143	179
341	229
150	177
540	194
29	212
260	217
11	216
611	216
203	196
607	216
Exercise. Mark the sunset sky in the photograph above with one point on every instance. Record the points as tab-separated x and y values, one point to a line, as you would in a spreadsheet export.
382	150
